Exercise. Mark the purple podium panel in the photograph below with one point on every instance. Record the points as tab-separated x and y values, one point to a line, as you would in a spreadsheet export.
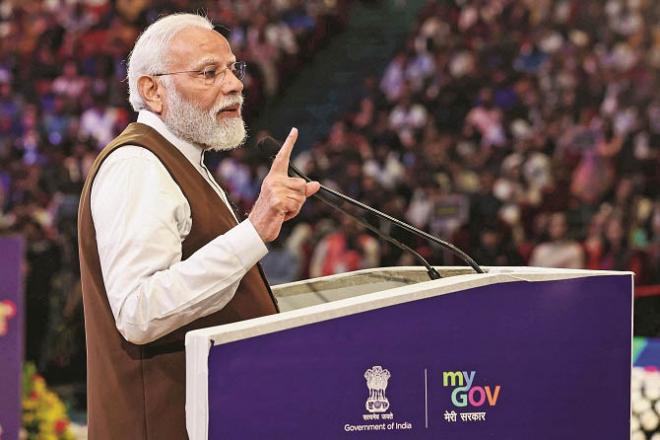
519	360
11	336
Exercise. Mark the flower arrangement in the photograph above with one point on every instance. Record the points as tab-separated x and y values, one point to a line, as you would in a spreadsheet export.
645	399
44	414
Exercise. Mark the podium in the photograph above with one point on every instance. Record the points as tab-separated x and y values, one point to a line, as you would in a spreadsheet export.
516	353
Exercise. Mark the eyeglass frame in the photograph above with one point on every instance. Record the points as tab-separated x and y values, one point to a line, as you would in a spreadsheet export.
237	68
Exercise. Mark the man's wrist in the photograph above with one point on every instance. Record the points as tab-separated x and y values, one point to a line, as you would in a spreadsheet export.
246	243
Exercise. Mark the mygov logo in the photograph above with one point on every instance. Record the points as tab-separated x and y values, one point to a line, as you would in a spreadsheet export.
466	392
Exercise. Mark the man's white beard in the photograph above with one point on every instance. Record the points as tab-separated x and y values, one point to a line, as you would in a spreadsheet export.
201	127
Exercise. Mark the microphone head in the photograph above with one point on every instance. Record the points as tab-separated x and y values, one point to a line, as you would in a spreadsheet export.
269	147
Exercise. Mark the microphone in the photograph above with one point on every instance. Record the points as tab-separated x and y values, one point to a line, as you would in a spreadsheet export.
269	147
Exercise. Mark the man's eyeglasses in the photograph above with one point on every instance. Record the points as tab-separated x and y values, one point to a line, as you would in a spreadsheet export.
211	74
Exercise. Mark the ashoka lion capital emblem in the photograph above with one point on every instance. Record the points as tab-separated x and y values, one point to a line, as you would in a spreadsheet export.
377	379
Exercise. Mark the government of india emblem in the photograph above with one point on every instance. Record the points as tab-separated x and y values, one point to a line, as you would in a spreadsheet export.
377	379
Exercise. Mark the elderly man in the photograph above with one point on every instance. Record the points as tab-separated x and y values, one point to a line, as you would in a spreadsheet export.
161	251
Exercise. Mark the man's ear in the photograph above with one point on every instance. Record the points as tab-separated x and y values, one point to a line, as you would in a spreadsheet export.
151	92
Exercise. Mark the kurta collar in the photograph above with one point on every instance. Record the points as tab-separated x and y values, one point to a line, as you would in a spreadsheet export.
192	152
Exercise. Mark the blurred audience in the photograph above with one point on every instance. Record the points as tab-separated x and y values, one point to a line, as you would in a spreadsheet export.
527	132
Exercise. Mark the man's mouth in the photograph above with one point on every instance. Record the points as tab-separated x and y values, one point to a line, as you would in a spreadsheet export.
232	110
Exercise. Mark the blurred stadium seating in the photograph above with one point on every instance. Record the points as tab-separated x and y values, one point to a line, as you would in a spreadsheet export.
525	131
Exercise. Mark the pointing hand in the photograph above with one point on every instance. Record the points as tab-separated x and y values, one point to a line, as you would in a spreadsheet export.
281	196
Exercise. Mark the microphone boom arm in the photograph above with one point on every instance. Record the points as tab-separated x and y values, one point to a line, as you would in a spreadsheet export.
433	273
450	247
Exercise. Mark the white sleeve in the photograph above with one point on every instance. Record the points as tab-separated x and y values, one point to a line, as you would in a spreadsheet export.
141	218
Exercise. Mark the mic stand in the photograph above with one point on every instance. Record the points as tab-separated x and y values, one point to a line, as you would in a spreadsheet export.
433	274
453	249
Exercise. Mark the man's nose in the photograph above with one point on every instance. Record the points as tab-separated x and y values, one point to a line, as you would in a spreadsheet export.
231	84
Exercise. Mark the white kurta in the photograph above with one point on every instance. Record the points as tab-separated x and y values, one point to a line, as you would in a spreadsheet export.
141	218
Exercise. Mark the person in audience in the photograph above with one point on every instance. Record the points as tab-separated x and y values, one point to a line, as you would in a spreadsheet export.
344	250
559	250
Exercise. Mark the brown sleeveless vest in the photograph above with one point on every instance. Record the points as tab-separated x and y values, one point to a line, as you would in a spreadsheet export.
138	391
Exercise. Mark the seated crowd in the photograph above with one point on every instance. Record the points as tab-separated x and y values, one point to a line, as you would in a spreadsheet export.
526	132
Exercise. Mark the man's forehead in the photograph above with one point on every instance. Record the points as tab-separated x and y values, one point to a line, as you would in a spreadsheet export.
195	45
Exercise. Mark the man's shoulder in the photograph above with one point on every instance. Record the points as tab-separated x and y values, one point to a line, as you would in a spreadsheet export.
130	152
128	162
129	170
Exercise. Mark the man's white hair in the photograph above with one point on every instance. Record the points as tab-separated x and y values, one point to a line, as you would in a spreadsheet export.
150	53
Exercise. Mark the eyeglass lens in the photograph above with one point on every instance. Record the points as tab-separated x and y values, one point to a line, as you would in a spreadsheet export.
210	74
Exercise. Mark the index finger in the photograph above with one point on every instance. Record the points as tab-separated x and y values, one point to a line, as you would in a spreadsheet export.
281	161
